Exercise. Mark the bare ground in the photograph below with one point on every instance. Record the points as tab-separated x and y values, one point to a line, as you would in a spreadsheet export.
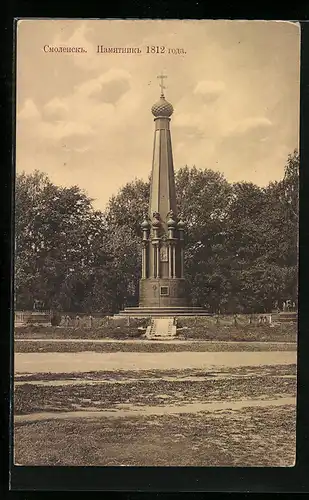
248	437
36	362
256	436
154	390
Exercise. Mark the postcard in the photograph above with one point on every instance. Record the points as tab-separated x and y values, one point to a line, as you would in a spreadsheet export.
156	243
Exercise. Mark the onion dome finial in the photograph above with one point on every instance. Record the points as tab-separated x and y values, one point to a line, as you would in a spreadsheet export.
162	108
171	223
145	224
181	224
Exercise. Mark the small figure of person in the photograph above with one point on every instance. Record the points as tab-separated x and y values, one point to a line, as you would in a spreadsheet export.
77	321
90	321
283	306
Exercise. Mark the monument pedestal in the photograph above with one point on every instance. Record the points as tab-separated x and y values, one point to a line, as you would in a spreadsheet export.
162	292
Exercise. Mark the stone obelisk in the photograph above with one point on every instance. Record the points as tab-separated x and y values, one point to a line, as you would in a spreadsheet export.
162	284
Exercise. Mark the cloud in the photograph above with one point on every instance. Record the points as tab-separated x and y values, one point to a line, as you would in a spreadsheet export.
111	92
91	118
209	90
92	86
56	109
251	125
77	39
83	112
191	120
109	87
29	111
63	129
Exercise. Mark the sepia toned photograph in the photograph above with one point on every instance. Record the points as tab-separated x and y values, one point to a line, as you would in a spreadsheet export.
156	243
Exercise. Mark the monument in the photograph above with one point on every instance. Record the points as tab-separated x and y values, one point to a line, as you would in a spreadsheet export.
162	285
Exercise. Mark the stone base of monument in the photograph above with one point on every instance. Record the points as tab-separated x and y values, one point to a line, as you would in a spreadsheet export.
287	317
162	293
163	312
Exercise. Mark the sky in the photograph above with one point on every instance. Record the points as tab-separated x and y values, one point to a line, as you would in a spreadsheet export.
85	118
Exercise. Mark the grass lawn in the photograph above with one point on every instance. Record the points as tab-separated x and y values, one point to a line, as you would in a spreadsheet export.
241	333
63	346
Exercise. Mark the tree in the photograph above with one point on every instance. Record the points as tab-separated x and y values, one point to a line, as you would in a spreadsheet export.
115	285
262	241
129	207
240	252
203	200
284	220
58	242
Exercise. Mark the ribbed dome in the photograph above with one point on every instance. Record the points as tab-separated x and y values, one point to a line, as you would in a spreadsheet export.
162	108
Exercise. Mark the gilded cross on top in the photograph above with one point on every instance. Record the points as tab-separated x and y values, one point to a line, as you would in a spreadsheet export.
161	83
